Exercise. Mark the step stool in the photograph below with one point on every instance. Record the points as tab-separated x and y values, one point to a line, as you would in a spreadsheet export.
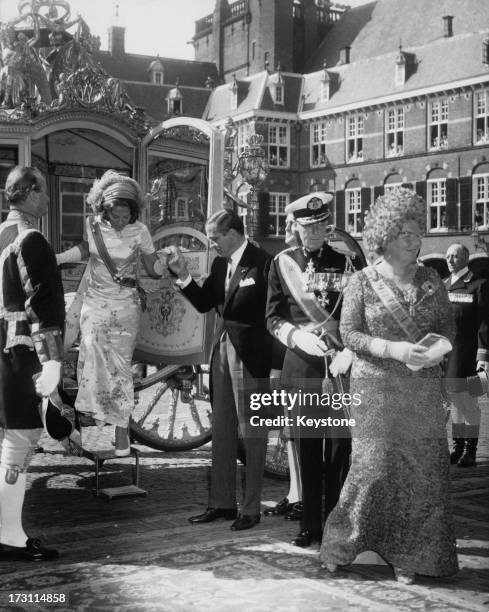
109	493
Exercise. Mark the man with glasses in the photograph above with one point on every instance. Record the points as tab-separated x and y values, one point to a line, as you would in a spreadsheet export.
31	323
298	317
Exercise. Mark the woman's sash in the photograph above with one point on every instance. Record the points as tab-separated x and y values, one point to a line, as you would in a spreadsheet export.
393	306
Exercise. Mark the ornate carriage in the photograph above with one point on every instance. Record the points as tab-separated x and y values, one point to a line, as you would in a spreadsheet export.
63	113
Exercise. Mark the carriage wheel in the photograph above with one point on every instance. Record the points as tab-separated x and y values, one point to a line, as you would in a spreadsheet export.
172	409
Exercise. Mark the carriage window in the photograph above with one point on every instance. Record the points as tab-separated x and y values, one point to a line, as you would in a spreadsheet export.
73	207
9	157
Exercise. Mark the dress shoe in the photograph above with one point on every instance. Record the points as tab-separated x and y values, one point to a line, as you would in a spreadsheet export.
247	521
211	514
32	551
295	512
305	538
282	507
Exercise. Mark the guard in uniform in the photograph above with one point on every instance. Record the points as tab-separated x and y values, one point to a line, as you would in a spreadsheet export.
31	325
469	298
304	303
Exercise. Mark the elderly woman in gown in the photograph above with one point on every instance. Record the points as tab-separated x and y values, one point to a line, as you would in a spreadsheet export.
109	318
395	500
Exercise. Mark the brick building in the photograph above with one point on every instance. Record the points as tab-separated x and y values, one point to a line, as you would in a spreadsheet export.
396	92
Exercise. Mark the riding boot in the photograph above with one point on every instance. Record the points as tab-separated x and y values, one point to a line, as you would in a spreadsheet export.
458	449
468	459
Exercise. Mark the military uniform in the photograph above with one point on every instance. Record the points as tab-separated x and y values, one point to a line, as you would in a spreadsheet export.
304	372
31	319
469	299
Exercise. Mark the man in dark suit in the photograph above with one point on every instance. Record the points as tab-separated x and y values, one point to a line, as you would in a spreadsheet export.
469	297
242	353
290	316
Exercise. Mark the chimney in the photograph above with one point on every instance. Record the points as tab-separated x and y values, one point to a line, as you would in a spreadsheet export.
116	41
345	55
448	26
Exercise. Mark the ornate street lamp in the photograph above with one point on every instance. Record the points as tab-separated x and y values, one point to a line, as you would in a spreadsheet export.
253	167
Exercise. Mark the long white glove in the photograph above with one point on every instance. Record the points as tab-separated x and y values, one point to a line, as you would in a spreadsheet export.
341	362
69	256
49	378
406	352
309	343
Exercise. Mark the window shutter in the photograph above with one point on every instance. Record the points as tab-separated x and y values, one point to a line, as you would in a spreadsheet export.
466	213
263	213
365	200
378	191
421	189
452	199
340	209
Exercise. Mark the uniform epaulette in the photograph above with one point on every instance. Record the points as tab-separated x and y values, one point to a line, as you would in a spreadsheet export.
290	249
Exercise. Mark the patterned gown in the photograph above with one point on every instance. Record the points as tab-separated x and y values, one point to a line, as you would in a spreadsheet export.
395	500
109	322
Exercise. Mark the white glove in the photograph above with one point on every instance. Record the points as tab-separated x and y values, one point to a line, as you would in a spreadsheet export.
159	267
49	378
407	352
309	343
69	256
483	365
341	362
275	378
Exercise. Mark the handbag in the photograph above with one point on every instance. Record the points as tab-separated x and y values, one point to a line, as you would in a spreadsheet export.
124	281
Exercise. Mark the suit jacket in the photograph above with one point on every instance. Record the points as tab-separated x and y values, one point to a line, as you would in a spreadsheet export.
241	309
469	299
282	309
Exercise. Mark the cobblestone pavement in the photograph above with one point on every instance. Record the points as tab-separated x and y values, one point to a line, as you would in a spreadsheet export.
142	554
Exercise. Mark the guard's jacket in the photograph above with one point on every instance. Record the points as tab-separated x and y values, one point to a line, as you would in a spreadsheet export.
283	314
469	300
32	312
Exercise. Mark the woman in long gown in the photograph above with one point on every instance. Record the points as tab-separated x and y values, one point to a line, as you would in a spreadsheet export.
109	318
395	500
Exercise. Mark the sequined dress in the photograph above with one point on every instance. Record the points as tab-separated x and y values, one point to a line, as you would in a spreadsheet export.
109	322
395	500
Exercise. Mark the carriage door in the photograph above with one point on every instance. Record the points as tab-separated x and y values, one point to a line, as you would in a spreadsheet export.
181	170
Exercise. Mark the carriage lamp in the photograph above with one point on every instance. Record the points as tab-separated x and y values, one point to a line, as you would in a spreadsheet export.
230	168
253	167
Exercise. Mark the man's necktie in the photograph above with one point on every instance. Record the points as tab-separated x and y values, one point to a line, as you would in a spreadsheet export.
228	275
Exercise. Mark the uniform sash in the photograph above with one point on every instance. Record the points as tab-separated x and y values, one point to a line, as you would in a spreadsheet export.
319	316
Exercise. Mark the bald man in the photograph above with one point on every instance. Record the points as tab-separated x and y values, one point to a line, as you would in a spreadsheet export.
469	298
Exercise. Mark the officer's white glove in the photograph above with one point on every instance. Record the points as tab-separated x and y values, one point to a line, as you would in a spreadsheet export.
49	378
483	365
275	378
309	343
341	362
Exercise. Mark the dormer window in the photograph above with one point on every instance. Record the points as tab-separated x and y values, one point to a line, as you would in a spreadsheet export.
279	94
400	70
175	101
325	85
156	72
276	84
234	93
